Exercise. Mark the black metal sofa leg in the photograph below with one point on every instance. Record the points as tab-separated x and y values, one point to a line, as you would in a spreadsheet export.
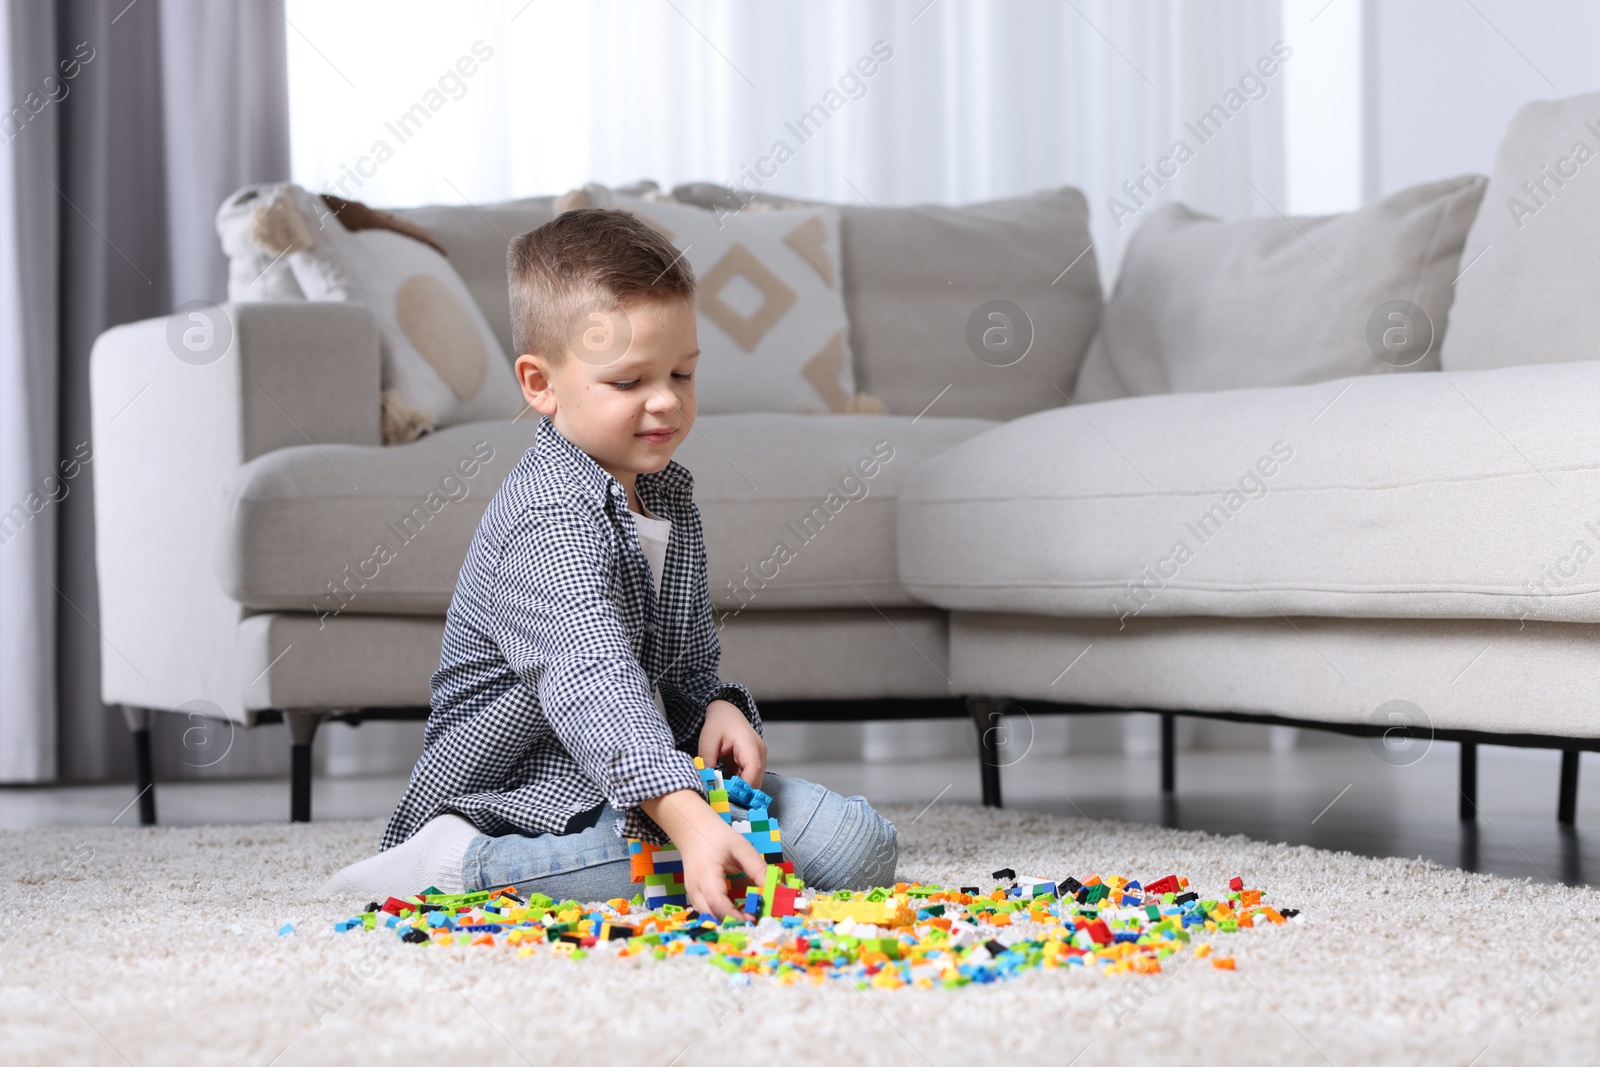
1169	755
986	715
1468	811
1567	804
138	720
302	730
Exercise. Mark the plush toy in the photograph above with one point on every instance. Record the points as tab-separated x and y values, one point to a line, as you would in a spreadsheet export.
441	362
260	224
254	272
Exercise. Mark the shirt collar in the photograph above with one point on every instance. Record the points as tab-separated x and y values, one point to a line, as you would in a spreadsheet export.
671	484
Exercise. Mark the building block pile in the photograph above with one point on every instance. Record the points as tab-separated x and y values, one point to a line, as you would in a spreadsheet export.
661	869
908	934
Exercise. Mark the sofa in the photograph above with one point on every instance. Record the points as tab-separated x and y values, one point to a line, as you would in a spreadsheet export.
1378	537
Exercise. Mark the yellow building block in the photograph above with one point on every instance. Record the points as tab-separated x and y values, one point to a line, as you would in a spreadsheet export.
893	911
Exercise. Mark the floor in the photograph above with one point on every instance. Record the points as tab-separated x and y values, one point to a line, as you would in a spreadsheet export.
1337	794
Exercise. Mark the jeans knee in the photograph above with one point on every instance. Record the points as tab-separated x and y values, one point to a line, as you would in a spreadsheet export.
885	851
862	854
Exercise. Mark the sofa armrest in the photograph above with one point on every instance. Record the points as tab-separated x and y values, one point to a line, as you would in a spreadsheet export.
167	436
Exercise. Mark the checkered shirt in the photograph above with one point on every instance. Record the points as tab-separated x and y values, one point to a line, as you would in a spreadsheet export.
542	706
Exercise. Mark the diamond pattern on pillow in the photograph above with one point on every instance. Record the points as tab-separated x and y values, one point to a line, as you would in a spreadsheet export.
809	240
777	298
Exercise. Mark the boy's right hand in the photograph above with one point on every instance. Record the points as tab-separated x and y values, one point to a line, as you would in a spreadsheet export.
711	850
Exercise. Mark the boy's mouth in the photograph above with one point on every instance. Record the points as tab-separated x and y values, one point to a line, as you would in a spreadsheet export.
656	437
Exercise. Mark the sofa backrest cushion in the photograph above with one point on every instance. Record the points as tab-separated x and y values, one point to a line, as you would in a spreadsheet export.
475	239
1530	290
1201	304
915	282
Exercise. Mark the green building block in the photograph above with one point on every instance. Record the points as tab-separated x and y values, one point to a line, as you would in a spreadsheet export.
669	878
774	874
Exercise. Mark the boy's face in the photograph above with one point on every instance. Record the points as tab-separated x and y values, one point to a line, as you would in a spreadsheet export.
629	411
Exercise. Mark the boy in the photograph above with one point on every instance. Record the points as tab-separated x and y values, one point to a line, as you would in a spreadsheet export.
579	672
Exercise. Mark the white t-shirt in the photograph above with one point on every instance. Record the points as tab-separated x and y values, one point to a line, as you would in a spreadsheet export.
653	534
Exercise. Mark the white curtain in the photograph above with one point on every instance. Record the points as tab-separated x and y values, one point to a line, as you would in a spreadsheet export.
976	100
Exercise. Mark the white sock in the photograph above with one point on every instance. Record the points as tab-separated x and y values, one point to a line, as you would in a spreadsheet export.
431	856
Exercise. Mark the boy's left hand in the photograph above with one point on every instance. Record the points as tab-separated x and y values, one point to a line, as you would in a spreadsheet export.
728	733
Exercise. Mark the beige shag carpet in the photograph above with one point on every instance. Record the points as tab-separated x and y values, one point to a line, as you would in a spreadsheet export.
159	946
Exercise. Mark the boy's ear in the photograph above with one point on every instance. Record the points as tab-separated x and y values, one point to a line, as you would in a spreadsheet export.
535	382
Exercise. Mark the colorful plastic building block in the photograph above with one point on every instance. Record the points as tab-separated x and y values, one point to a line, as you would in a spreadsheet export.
1169	884
908	934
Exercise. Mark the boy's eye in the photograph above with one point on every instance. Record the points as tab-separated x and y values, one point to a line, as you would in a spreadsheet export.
683	377
625	385
630	384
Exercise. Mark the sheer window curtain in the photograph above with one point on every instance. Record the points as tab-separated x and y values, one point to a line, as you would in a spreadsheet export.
978	100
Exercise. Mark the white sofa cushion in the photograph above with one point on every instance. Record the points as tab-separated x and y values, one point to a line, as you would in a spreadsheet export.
916	277
295	660
772	487
1469	495
1500	676
298	537
1203	304
1529	291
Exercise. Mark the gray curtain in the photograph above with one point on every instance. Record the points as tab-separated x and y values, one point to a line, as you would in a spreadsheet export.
105	217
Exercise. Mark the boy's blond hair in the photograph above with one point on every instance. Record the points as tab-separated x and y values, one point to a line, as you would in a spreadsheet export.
583	261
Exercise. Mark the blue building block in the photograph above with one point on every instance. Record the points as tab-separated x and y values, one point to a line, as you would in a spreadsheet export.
746	795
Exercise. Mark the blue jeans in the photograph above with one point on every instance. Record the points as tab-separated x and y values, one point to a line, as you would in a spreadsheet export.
834	842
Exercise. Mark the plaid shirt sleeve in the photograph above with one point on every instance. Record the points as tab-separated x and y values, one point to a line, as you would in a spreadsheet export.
557	625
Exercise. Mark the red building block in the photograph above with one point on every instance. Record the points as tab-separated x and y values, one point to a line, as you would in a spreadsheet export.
783	898
1169	884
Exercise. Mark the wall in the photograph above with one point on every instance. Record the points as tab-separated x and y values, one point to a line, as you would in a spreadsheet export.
1449	75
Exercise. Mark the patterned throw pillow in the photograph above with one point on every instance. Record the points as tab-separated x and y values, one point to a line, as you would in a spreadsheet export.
772	326
442	364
